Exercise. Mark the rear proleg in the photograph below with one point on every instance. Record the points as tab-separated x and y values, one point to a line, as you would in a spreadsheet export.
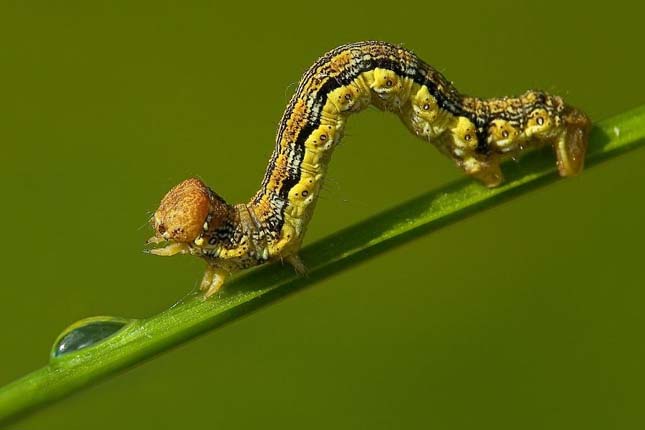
571	145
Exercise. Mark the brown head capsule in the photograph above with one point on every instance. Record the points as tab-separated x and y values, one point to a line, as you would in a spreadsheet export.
182	212
185	213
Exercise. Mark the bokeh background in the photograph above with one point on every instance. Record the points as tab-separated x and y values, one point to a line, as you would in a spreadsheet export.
529	315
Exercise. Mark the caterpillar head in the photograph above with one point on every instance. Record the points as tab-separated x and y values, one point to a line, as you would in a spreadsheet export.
184	214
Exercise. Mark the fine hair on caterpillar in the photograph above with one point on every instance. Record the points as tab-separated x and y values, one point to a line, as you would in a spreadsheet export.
477	134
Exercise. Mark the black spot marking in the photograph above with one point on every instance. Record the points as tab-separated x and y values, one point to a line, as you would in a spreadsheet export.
305	193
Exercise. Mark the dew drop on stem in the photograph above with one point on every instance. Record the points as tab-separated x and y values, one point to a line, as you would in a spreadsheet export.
87	332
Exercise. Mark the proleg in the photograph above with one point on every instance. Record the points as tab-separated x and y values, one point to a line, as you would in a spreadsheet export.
477	134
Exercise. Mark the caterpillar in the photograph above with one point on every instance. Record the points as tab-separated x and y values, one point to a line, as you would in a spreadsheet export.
476	134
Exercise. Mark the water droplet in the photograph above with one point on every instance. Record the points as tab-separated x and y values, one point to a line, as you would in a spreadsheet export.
87	332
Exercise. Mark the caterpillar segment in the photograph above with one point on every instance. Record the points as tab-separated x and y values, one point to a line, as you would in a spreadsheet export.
477	134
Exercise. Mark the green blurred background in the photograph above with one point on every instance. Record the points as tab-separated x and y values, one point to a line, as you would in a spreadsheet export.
526	316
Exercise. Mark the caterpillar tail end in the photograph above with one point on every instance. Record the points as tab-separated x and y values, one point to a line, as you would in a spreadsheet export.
571	145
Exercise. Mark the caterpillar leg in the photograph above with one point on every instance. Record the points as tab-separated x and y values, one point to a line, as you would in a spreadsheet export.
212	281
486	172
571	145
169	250
297	264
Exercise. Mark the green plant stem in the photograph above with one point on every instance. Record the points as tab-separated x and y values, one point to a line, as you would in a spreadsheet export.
146	338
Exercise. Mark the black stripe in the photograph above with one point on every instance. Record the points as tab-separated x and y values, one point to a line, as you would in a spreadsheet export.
447	99
311	125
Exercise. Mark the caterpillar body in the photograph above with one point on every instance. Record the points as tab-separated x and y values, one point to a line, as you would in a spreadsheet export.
476	134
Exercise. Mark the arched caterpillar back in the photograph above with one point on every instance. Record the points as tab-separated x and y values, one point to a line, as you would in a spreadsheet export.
476	134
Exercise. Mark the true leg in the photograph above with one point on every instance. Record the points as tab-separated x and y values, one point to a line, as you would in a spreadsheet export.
212	281
297	264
